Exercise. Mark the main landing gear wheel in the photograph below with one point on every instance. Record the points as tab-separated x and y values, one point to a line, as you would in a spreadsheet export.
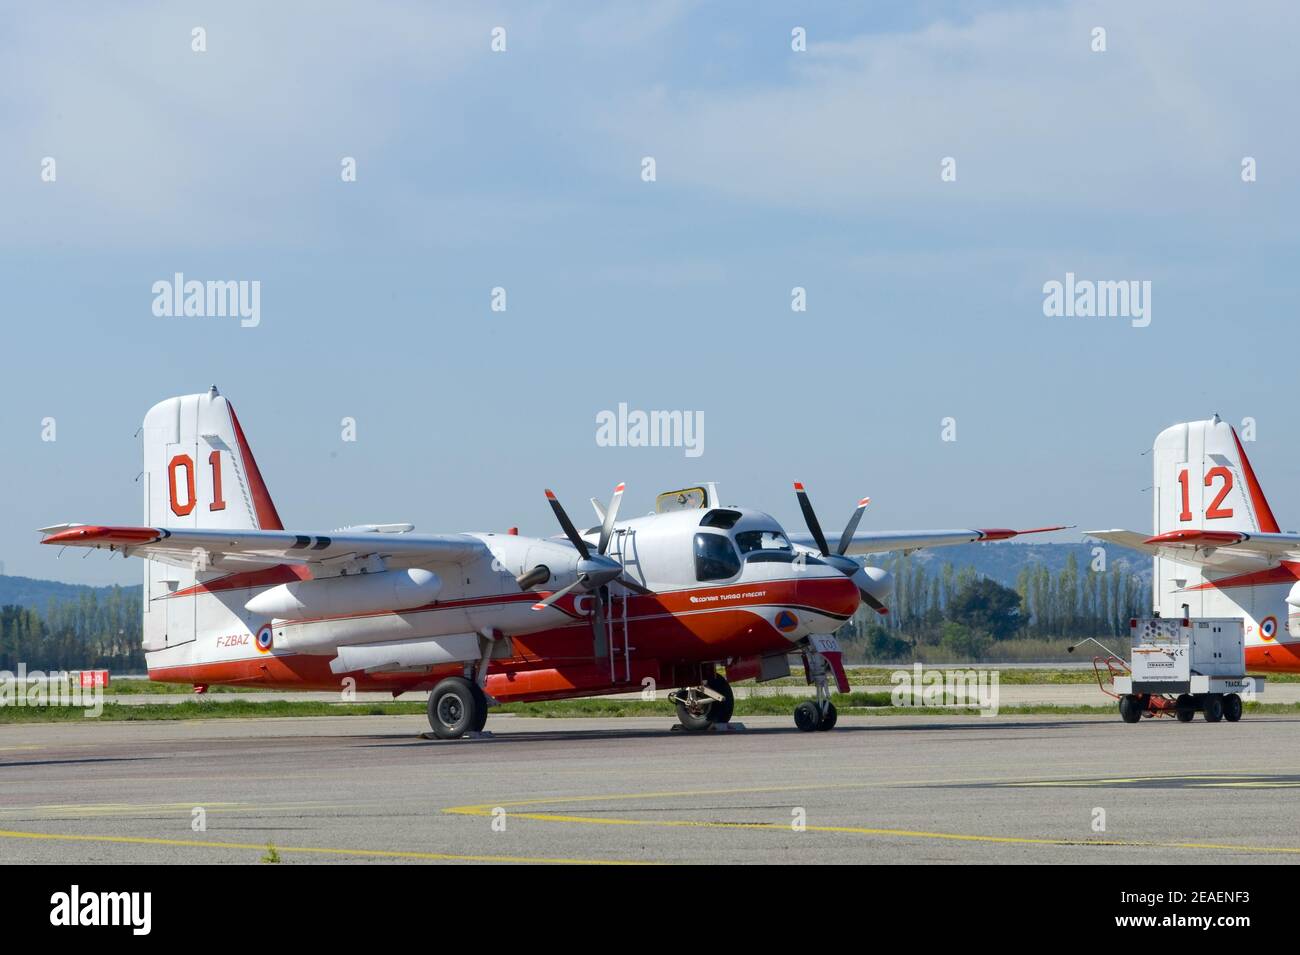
721	710
456	707
1130	708
480	699
1232	707
1213	708
698	711
807	716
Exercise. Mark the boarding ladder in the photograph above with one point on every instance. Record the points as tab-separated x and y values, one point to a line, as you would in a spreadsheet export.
616	619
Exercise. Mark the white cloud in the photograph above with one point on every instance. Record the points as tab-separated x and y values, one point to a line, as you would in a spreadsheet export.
1018	98
160	144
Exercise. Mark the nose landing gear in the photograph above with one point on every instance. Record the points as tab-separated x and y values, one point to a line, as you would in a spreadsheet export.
819	713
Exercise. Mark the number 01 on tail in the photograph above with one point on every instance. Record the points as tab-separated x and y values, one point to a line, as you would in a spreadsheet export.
183	462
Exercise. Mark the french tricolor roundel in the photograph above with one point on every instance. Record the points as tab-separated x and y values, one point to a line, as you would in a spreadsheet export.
786	621
1268	628
264	639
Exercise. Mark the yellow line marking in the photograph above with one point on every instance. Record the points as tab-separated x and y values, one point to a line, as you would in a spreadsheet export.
306	850
486	809
102	808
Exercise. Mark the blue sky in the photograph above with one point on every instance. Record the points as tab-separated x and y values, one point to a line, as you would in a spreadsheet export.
522	170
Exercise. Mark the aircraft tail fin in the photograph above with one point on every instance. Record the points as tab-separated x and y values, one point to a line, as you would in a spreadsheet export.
198	472
1203	482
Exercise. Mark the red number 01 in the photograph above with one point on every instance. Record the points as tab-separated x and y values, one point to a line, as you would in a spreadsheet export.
187	462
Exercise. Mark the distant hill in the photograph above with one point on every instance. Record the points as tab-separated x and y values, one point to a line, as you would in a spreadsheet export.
36	594
1003	561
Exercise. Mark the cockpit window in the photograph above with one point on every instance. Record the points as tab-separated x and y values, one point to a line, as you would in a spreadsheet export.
715	558
752	541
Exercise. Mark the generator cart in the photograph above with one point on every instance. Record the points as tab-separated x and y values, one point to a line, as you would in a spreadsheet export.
1181	667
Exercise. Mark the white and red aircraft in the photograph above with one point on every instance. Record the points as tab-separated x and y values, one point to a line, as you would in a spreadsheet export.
1218	549
230	596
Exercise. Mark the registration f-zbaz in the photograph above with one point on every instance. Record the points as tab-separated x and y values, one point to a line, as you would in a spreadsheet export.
691	596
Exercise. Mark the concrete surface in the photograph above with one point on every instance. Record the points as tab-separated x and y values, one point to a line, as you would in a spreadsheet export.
876	789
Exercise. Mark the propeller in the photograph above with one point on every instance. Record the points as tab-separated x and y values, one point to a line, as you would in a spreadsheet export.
846	565
595	571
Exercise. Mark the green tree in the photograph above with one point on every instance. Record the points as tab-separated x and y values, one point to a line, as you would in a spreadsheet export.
986	606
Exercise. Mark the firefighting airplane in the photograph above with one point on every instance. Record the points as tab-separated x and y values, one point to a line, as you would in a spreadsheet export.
1218	549
230	596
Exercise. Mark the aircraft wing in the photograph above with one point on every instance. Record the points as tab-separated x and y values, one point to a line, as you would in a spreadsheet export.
1221	550
879	542
223	548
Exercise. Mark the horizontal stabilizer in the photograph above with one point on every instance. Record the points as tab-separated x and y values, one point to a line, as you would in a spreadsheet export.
1219	550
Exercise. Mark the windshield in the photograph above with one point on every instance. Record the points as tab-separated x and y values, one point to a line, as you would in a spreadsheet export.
754	541
715	559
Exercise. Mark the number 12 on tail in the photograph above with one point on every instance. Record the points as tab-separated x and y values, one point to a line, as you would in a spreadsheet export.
1216	510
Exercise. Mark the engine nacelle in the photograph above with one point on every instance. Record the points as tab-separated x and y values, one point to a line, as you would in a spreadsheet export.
876	581
341	596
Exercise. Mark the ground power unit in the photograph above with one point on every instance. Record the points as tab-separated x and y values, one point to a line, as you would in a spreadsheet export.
1182	666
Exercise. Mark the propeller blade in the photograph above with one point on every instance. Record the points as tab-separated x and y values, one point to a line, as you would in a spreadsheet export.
611	515
633	586
851	527
570	531
547	601
600	643
810	518
872	602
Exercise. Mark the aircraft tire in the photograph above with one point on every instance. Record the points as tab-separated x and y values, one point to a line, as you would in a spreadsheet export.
828	719
807	716
480	698
454	707
720	712
691	722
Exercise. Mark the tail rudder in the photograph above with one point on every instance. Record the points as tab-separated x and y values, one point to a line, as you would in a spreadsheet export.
1203	481
198	472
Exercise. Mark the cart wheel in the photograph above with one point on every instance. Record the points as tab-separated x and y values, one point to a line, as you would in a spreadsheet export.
1213	708
1185	708
1130	710
1232	707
